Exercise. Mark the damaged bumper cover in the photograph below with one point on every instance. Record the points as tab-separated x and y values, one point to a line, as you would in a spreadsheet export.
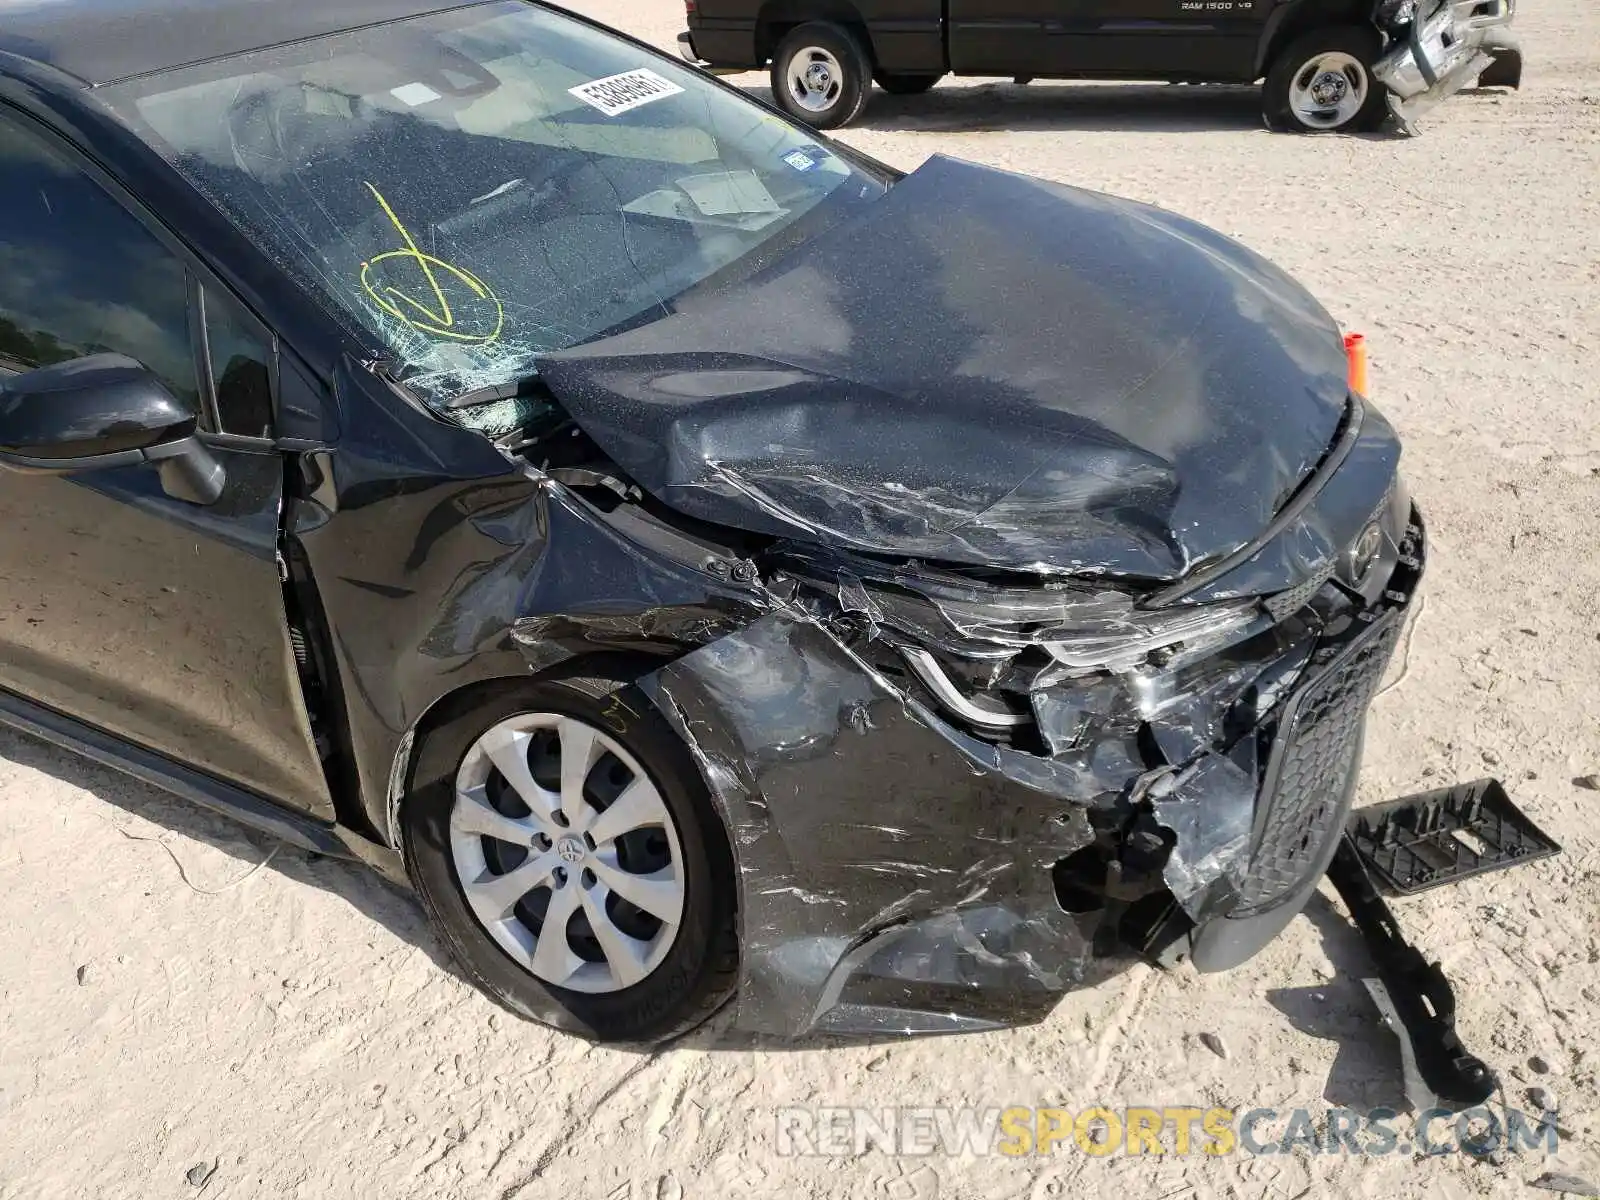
895	873
1061	630
1442	49
905	869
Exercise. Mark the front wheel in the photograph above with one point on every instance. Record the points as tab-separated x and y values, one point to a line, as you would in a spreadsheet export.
562	840
1322	82
821	75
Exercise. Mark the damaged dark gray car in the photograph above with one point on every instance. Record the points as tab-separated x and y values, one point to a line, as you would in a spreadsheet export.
699	558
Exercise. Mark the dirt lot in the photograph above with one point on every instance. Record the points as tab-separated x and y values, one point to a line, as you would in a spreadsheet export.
163	1003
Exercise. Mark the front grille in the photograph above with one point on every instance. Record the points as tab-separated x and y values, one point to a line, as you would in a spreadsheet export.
1317	747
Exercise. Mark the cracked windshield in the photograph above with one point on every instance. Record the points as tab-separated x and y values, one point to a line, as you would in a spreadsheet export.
480	187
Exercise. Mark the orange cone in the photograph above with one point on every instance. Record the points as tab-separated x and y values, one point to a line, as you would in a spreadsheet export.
1355	349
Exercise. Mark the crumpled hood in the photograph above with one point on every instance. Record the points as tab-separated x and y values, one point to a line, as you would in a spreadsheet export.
983	368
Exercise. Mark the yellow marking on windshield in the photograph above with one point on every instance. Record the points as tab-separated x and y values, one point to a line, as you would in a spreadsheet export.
433	314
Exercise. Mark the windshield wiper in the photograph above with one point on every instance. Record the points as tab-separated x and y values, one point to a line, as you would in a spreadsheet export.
530	386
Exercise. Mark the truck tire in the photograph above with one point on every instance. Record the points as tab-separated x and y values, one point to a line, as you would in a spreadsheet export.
821	75
906	85
1506	69
1322	82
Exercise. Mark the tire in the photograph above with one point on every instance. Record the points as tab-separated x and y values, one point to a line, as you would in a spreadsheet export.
838	91
906	85
1505	70
1362	105
681	974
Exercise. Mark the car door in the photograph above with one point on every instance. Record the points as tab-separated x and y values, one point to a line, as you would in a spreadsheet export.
155	619
1164	39
999	37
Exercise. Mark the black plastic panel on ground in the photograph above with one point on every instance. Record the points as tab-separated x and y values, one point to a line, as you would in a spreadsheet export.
1422	841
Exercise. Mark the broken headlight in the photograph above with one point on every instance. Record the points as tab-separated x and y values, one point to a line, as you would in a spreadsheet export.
982	650
1159	637
1072	657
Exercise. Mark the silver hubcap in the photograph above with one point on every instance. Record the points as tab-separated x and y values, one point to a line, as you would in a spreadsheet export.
815	79
1329	90
566	852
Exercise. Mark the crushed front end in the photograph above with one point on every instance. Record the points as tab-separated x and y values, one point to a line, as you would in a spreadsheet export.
1060	618
1438	47
949	791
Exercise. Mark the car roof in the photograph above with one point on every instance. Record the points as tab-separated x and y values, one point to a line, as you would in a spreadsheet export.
102	41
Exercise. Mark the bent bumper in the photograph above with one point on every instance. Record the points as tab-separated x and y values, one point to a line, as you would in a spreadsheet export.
1442	53
898	874
895	873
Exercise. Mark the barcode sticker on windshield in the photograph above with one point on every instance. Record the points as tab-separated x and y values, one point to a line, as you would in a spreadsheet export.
618	93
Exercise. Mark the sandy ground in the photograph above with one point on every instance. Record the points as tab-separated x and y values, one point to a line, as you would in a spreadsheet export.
165	1004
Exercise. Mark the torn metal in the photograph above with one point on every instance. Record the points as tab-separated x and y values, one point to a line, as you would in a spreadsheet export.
872	389
902	869
1438	48
902	864
889	865
977	700
1202	807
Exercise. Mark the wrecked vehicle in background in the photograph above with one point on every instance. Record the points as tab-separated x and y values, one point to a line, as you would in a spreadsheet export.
697	557
1324	65
1439	48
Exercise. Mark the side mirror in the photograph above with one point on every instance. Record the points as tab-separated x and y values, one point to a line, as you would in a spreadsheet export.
103	411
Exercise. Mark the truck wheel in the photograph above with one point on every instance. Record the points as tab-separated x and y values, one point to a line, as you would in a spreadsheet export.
1506	69
821	75
1322	83
906	85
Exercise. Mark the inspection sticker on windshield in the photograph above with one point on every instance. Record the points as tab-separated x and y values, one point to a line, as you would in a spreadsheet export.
618	93
801	160
413	94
